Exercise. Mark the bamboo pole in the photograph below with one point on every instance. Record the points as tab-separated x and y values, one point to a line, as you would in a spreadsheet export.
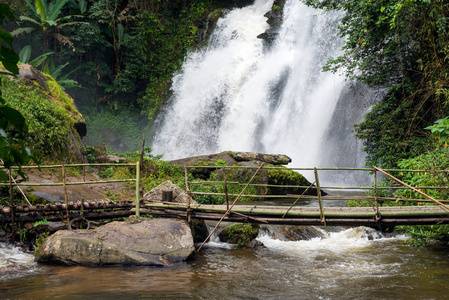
327	169
11	199
57	207
318	191
375	195
226	188
414	189
298	199
189	194
137	189
21	191
230	208
65	195
70	183
73	165
314	212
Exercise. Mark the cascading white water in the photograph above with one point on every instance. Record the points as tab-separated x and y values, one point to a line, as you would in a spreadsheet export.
240	95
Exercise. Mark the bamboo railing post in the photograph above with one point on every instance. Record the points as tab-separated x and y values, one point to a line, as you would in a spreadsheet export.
230	208
226	188
375	196
318	191
137	189
11	199
66	200
186	174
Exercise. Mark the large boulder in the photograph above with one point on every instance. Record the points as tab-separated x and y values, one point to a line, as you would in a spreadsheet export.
144	242
231	158
210	167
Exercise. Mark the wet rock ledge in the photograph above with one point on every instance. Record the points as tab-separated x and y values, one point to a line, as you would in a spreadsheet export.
141	242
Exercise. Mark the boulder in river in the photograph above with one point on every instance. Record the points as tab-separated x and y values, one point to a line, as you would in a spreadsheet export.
144	242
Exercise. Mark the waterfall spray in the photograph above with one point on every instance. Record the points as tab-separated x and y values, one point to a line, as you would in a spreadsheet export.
240	94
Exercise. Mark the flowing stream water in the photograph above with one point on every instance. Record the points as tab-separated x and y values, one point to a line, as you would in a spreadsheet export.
239	94
356	263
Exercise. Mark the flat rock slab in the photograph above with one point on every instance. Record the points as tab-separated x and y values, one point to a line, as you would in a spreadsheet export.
142	242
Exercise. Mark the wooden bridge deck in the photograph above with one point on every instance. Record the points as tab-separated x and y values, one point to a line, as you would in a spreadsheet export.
333	216
263	214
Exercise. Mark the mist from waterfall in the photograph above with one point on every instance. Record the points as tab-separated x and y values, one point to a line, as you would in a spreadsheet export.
240	94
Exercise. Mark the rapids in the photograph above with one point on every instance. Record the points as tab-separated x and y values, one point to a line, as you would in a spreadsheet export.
351	263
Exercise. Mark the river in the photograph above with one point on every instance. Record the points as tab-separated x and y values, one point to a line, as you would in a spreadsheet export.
351	263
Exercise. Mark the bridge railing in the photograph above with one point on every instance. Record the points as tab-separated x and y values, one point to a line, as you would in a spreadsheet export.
369	192
64	183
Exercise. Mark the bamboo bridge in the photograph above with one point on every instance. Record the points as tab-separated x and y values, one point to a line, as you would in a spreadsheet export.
427	211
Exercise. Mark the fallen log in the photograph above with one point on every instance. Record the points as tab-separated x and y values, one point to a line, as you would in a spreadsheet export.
72	206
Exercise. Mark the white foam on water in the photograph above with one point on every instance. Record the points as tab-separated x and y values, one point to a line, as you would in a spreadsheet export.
15	262
343	253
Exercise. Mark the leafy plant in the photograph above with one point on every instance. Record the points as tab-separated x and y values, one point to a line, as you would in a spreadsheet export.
47	22
107	172
425	235
38	223
48	129
12	149
440	128
40	241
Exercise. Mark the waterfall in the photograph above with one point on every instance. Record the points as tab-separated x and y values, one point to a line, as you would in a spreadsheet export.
240	94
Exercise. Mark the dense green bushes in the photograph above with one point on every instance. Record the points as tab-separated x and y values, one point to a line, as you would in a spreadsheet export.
48	122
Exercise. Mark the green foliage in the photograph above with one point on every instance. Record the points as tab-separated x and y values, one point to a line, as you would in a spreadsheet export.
47	21
426	235
240	234
38	223
12	149
441	129
430	163
107	172
164	37
90	154
47	121
389	132
40	241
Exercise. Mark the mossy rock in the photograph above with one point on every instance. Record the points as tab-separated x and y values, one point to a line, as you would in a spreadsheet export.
199	230
240	234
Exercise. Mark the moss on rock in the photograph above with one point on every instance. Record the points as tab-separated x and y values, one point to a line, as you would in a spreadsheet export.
239	234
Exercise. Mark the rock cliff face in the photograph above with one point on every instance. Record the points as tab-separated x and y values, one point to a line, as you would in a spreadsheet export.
144	242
